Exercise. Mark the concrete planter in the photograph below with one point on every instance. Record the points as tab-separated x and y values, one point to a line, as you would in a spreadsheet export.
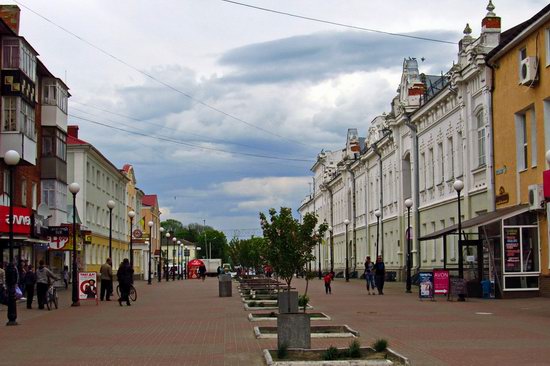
284	302
316	331
259	318
274	307
294	330
393	358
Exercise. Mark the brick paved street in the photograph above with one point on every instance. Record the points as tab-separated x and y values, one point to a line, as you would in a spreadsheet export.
185	323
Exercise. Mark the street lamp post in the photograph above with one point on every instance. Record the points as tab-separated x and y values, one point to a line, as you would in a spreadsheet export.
11	158
167	271
346	223
174	241
458	185
110	206
74	188
197	249
377	213
319	256
180	254
131	215
186	256
331	249
408	204
159	265
150	224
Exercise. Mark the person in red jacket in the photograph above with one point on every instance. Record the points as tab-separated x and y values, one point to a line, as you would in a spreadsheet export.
328	279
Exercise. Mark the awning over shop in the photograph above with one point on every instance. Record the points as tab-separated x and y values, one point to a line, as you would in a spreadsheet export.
484	219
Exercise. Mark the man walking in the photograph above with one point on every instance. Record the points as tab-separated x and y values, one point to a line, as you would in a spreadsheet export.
30	280
379	274
106	272
43	275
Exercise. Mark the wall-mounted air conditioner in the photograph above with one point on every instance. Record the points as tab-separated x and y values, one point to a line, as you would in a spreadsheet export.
528	71
536	197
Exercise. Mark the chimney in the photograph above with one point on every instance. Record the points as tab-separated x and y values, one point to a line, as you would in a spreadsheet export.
10	16
490	27
72	131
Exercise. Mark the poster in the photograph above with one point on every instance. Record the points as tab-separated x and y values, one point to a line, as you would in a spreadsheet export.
426	281
441	281
87	286
512	259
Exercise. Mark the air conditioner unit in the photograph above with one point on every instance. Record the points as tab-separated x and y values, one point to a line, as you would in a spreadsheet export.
536	197
528	71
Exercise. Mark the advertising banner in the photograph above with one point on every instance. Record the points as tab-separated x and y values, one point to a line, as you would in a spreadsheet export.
441	281
87	286
426	288
512	261
21	220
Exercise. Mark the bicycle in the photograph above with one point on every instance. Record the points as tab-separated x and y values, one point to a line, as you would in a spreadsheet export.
51	298
133	293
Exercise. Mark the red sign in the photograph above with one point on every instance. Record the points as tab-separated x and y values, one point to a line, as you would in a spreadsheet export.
546	184
21	220
441	281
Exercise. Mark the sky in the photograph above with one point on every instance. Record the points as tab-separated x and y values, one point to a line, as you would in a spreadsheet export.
221	108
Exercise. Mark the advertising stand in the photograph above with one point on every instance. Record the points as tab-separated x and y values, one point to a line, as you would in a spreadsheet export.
87	286
426	285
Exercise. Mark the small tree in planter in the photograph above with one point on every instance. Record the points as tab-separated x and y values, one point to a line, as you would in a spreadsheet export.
289	244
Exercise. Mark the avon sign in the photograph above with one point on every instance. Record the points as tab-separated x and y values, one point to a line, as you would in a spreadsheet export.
21	220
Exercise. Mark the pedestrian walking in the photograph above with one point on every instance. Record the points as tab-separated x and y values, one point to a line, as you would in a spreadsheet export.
3	296
379	274
30	281
66	276
202	271
43	276
328	279
106	272
125	277
369	275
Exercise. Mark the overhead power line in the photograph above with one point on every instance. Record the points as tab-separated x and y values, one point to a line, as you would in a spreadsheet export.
159	81
179	142
337	24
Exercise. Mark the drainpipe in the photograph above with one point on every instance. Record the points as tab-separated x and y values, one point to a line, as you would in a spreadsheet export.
353	214
490	141
416	190
332	231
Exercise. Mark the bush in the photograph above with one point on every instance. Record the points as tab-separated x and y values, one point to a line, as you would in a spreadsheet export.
380	345
330	353
303	300
282	351
252	303
354	349
272	314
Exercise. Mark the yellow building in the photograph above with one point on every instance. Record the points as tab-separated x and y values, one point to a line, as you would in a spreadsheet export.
150	212
133	203
521	122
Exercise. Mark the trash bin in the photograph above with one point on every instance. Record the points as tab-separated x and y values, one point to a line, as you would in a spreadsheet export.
486	287
225	285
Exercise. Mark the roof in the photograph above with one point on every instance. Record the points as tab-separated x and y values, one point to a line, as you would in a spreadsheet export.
71	140
484	219
149	200
511	34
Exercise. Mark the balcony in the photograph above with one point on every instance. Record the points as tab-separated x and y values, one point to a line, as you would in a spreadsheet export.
54	103
18	141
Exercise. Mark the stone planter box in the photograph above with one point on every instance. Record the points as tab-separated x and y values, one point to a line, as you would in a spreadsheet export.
393	358
257	317
270	302
283	300
293	330
317	331
270	307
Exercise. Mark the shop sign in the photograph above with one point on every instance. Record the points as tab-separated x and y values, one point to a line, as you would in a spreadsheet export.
87	286
502	197
22	221
426	288
137	233
512	253
458	286
441	281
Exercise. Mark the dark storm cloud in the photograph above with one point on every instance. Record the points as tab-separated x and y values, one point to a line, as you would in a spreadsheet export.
321	55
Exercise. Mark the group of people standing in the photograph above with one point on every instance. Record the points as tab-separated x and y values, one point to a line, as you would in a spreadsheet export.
125	278
375	275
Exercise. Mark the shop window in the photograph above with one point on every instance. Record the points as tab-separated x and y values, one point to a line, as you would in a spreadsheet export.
521	282
521	249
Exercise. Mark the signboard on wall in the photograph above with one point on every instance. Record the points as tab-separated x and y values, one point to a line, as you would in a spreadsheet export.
512	249
22	221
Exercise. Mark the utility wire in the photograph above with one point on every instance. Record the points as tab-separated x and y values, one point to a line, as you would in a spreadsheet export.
337	24
161	82
161	138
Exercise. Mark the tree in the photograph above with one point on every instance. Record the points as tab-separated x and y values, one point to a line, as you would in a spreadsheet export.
290	243
247	253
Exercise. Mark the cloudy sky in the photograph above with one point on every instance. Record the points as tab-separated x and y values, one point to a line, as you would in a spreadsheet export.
221	108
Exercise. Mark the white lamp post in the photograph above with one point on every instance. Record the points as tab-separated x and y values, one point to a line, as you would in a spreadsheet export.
74	188
110	206
150	224
408	204
346	223
377	213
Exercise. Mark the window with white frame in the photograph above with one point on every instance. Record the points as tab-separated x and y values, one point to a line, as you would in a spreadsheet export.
24	193
431	168
10	53
27	125
34	195
422	177
451	157
434	243
441	161
522	143
547	46
480	118
6	178
9	111
460	155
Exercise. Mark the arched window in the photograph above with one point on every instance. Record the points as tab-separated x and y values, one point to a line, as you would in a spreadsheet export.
480	119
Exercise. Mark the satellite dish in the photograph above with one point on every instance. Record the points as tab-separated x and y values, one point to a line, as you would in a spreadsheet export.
43	210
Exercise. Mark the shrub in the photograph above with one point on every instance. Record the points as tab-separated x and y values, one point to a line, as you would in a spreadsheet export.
252	303
354	349
380	345
272	314
282	351
303	300
330	353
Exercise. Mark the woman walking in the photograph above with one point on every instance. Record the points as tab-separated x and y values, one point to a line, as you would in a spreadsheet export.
379	274
369	275
125	277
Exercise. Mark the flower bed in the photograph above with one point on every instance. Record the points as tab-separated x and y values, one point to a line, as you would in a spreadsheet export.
317	331
315	357
256	317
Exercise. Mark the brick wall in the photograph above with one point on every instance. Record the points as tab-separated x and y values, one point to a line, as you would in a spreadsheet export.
545	286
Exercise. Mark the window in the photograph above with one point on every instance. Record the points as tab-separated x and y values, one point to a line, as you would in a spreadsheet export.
24	193
6	180
10	53
50	94
27	120
480	139
431	167
441	162
47	144
548	47
521	249
34	195
521	141
422	171
533	124
451	157
434	243
48	193
522	56
61	145
460	154
9	120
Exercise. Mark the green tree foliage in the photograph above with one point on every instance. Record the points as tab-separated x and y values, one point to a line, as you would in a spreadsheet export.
247	253
290	243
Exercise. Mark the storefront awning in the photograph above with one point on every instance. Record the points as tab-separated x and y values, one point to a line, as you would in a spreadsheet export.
484	219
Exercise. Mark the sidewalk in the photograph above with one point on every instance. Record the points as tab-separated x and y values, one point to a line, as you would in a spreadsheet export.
186	323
